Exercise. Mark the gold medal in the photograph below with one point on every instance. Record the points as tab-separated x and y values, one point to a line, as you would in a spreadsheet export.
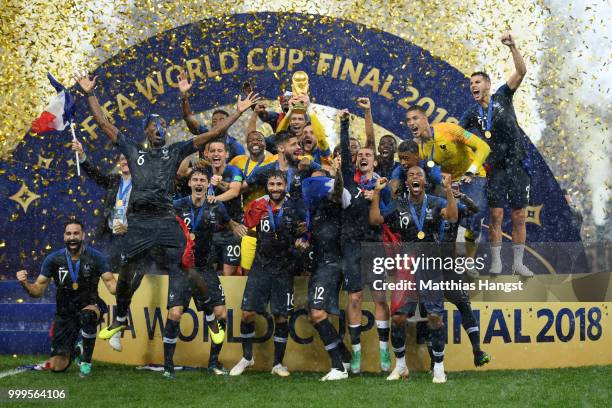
119	203
431	163
75	286
488	134
421	235
192	236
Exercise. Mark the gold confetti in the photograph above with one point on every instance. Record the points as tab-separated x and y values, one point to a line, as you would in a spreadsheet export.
564	98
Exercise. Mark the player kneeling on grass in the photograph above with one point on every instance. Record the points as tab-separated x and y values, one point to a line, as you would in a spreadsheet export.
416	217
279	224
76	271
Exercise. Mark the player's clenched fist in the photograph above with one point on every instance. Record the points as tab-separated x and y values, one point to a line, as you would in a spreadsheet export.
381	183
22	276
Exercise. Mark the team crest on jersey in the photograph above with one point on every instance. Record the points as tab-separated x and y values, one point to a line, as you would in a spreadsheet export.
86	269
165	154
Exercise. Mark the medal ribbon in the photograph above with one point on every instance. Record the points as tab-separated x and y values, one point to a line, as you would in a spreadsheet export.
489	114
421	220
74	274
123	190
246	173
195	221
279	214
433	145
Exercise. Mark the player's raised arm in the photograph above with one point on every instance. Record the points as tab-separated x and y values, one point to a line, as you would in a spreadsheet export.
450	212
375	217
35	289
338	190
252	123
109	281
241	106
519	63
364	103
188	116
346	166
103	180
87	85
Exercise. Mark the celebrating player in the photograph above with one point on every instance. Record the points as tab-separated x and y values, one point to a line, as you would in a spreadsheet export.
226	183
152	221
417	218
461	298
325	223
387	147
202	216
278	226
459	153
76	270
360	183
257	156
508	174
234	148
116	206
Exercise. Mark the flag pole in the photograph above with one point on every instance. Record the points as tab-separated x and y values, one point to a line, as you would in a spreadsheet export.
76	154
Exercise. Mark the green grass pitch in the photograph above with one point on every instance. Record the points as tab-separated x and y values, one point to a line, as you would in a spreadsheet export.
115	386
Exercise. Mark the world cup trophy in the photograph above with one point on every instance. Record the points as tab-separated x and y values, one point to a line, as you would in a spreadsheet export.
299	87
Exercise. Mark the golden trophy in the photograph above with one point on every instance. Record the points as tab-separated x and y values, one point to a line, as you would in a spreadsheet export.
299	87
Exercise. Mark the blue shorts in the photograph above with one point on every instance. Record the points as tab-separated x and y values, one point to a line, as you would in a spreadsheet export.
351	267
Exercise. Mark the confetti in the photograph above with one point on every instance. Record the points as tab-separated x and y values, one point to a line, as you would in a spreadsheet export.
564	103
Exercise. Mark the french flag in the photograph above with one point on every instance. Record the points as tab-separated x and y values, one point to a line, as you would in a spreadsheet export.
319	188
59	112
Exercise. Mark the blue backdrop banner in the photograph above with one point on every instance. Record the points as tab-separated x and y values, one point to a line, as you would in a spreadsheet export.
343	60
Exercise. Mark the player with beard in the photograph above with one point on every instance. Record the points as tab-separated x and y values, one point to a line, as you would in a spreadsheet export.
278	223
292	123
355	230
508	168
296	170
203	215
459	153
152	222
461	298
234	147
325	198
76	270
307	127
417	218
314	142
288	161
226	182
387	146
